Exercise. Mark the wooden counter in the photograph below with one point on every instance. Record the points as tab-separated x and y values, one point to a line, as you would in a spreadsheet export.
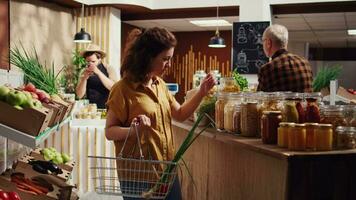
226	166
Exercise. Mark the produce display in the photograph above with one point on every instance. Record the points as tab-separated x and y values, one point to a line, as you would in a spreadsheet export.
19	99
51	154
9	195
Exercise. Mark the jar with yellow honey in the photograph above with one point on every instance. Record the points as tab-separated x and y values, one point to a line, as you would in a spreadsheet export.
297	136
283	130
323	137
310	143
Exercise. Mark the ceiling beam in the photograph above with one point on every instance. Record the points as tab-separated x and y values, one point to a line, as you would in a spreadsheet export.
326	7
147	14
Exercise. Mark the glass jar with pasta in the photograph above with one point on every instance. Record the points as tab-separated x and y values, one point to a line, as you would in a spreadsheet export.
249	115
233	100
219	110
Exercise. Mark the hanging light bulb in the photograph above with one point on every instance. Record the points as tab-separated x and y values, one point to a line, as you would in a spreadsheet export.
216	41
82	36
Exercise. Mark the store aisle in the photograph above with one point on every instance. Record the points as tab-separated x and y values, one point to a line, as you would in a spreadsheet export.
95	196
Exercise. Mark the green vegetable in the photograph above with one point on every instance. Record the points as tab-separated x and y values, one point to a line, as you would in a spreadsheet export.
41	76
325	75
207	105
240	80
164	179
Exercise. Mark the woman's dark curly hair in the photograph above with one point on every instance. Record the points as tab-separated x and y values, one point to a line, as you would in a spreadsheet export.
141	48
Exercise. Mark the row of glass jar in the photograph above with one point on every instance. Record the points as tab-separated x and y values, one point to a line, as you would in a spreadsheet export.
242	112
315	137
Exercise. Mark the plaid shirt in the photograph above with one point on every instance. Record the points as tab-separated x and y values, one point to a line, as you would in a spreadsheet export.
285	72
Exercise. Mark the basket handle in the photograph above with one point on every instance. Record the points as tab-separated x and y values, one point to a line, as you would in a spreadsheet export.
133	125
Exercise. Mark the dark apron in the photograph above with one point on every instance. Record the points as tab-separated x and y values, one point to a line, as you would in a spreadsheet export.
96	91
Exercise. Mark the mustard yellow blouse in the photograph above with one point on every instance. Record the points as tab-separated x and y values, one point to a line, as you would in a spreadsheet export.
128	100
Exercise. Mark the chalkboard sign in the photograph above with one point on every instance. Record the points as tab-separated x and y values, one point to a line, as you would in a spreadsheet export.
247	54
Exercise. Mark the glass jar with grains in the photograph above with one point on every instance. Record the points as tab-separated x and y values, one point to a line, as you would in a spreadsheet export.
228	84
219	110
333	114
346	137
249	115
349	114
353	120
233	100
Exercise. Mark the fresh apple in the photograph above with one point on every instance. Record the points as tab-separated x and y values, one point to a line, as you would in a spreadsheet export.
15	98
18	107
37	103
34	95
41	96
3	92
29	103
30	88
45	93
4	196
14	196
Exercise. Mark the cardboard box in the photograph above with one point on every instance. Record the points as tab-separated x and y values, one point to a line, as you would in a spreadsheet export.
29	120
57	112
66	108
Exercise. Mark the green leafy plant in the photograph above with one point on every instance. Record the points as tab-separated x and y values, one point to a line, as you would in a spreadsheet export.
71	73
42	77
240	80
325	75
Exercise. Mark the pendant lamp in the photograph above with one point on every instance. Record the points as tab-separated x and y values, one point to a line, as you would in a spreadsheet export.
217	41
82	36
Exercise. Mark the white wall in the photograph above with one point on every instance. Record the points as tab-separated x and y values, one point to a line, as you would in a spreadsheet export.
115	39
45	26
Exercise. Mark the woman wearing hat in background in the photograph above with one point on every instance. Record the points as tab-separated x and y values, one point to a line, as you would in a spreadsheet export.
97	79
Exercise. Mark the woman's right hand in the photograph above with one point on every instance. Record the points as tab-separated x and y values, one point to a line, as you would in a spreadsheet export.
142	122
87	73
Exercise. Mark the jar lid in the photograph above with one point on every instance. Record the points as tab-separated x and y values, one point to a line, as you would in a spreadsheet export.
325	125
286	124
346	130
299	125
275	112
311	124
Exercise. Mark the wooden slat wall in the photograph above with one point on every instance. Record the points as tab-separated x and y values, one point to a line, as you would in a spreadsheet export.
96	22
184	67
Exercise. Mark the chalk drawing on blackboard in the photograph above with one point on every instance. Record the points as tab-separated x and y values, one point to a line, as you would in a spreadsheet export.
242	64
248	55
241	36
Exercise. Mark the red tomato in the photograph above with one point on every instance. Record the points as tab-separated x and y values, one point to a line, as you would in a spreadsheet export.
4	196
14	196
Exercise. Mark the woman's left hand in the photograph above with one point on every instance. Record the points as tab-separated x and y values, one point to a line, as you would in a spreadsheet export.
207	83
